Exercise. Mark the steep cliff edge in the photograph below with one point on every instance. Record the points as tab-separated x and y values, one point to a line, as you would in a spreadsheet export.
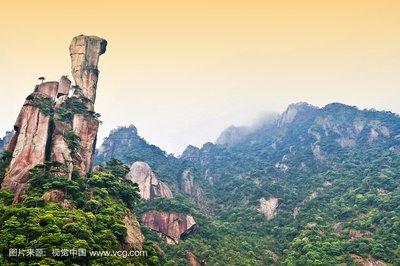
171	225
149	185
52	126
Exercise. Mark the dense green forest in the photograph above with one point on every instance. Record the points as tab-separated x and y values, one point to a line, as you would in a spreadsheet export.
334	171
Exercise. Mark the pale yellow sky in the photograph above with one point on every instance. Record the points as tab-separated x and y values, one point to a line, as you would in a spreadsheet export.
182	71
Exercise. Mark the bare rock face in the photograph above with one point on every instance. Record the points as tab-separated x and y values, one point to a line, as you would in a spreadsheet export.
54	195
337	228
192	259
193	190
149	186
28	147
187	182
86	129
268	207
57	196
355	234
49	89
64	87
85	52
134	238
171	225
296	212
42	125
360	261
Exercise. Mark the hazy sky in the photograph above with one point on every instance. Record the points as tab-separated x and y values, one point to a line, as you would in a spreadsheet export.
182	71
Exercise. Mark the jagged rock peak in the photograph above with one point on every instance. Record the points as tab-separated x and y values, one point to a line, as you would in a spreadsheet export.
149	185
293	110
131	129
191	153
232	135
85	52
43	130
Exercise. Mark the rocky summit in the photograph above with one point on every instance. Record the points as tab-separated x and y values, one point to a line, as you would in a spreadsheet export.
54	119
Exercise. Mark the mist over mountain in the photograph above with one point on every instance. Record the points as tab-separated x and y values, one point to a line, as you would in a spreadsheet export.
310	186
313	185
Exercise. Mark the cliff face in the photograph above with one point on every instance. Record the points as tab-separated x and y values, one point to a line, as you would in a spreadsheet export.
134	238
149	186
268	207
54	127
172	225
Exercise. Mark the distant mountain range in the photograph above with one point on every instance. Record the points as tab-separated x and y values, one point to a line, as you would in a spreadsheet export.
310	186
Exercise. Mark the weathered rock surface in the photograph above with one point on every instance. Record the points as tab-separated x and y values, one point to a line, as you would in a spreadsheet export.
134	238
28	147
85	127
49	89
192	259
360	261
85	52
149	186
190	187
171	225
187	182
337	228
268	207
40	130
57	196
64	87
355	234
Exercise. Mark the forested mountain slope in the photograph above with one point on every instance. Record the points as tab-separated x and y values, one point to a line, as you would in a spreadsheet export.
311	186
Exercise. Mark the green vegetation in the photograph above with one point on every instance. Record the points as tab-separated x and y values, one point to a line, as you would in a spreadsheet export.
92	222
5	159
44	104
72	140
348	198
75	105
355	212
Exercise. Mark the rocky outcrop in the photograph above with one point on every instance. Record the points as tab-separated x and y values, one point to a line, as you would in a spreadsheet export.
134	238
293	111
192	259
57	196
360	261
268	207
187	182
85	127
28	145
191	153
149	186
355	234
190	187
377	130
171	225
122	137
49	116
232	135
337	228
85	52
